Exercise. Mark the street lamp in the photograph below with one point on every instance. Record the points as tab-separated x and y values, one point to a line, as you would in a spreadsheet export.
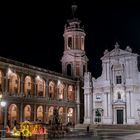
2	104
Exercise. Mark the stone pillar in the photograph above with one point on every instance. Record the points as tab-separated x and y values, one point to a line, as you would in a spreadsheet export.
78	101
132	105
128	105
5	116
35	92
124	119
65	92
35	112
94	107
66	115
105	104
21	112
22	85
114	116
85	105
6	83
46	113
109	106
47	88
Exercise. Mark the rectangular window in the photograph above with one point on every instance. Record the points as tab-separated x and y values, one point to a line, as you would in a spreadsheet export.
118	79
98	97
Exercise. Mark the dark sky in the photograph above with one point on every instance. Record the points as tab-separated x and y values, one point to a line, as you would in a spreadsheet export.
33	32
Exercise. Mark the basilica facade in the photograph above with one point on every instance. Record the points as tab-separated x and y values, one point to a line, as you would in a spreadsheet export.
114	97
32	93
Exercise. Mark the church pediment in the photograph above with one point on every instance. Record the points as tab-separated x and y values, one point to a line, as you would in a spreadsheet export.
118	52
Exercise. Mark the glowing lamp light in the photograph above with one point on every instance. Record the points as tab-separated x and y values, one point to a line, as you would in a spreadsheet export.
0	96
58	82
9	71
3	103
38	77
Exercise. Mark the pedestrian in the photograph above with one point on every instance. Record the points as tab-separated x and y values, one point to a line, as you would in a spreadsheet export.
88	128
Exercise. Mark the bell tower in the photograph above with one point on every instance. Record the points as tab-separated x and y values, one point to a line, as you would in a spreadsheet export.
74	60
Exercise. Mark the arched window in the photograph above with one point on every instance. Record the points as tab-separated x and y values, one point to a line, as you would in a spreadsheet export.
27	113
69	42
119	95
12	114
50	114
40	87
69	69
61	91
40	113
13	83
70	95
61	114
82	43
70	115
28	86
51	90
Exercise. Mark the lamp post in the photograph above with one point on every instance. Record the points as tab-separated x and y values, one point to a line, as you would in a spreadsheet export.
2	105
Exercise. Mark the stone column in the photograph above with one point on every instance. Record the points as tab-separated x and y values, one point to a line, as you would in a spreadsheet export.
65	92
22	84
124	119
46	113
5	116
35	92
6	83
21	112
78	101
132	105
105	104
93	98
35	112
128	105
114	116
66	115
109	106
47	86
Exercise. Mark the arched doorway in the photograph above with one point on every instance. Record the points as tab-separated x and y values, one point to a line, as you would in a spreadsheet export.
70	115
50	114
61	114
40	113
12	115
27	113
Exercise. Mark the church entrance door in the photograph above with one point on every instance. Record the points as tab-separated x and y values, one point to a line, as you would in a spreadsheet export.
119	116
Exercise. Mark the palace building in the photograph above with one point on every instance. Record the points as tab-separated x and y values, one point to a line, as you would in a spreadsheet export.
114	97
32	93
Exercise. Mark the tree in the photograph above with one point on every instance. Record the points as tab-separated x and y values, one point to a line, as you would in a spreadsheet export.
56	119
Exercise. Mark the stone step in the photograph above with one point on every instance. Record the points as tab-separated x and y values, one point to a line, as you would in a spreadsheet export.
92	126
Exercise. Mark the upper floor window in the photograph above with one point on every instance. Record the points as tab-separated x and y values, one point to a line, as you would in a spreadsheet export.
69	42
98	96
119	95
77	69
118	79
82	43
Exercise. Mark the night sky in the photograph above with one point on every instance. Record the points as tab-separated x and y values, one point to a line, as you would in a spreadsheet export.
32	33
